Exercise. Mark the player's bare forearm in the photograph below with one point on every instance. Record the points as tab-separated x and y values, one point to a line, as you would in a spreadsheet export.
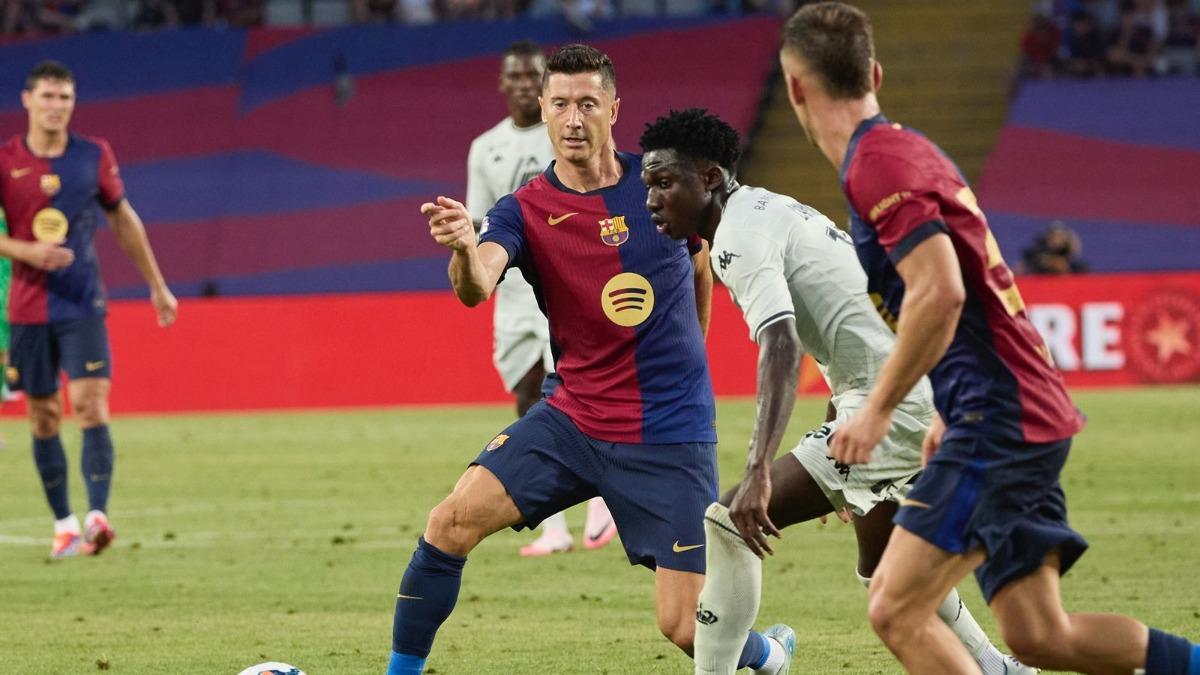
475	271
704	287
933	301
779	355
131	236
41	255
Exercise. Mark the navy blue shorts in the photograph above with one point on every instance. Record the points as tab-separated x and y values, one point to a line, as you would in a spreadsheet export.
1002	496
657	493
39	351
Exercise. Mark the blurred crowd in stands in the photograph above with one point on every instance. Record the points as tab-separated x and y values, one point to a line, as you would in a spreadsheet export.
1096	38
41	17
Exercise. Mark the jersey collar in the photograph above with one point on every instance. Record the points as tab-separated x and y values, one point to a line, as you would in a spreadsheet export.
863	127
628	168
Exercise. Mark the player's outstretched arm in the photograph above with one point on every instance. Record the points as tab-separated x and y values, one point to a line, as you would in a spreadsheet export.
131	235
704	286
474	270
779	354
933	300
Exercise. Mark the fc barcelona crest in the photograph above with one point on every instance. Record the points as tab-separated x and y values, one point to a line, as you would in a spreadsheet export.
50	184
614	231
497	442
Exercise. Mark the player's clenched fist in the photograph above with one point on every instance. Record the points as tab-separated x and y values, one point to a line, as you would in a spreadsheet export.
449	223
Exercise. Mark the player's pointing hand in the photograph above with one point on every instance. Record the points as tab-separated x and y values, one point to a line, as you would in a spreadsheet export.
860	435
449	223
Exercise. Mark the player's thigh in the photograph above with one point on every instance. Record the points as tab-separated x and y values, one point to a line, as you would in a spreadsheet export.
795	495
477	507
914	576
873	531
33	360
1032	604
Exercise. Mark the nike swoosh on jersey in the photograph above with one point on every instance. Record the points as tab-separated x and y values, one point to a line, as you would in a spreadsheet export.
552	221
682	549
914	503
401	596
17	173
92	366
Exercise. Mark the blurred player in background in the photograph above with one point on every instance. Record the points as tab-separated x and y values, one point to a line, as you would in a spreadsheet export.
797	281
5	280
631	417
51	182
989	500
501	160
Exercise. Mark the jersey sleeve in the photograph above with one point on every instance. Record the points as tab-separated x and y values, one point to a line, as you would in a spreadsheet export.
891	195
504	224
108	176
479	195
751	267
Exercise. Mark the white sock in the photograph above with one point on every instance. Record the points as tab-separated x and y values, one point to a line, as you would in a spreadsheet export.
91	517
556	523
68	524
729	599
959	619
774	659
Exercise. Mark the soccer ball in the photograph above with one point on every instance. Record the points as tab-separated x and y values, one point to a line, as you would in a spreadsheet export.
272	668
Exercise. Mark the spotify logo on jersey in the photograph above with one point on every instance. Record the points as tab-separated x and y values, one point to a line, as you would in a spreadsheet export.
627	299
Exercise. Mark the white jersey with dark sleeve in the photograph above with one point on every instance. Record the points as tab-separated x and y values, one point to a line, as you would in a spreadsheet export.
501	160
783	260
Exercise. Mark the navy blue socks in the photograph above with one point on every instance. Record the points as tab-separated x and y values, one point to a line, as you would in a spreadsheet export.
755	651
97	464
1171	655
51	464
427	595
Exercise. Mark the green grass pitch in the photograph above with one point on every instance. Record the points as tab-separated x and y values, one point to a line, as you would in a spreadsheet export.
246	538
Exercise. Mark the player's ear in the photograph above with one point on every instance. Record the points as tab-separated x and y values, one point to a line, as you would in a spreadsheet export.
714	177
26	98
542	107
612	117
876	75
795	90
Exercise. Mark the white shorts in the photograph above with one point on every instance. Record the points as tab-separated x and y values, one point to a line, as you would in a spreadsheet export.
889	475
521	334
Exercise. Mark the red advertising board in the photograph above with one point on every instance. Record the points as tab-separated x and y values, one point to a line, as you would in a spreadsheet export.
425	348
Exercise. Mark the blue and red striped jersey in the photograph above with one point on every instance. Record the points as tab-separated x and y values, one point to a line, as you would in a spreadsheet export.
621	302
57	200
997	376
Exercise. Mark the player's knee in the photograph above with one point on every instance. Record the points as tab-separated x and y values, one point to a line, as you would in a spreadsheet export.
45	418
92	411
680	630
1034	643
885	615
450	528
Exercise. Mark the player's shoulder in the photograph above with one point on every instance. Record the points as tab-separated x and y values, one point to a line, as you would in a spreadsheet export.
755	209
497	132
12	148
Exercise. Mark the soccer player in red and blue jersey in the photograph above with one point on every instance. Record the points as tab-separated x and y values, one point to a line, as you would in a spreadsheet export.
989	500
629	415
52	186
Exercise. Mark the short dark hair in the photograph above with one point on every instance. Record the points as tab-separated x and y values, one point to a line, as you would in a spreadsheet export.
580	58
695	133
48	70
524	48
835	39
